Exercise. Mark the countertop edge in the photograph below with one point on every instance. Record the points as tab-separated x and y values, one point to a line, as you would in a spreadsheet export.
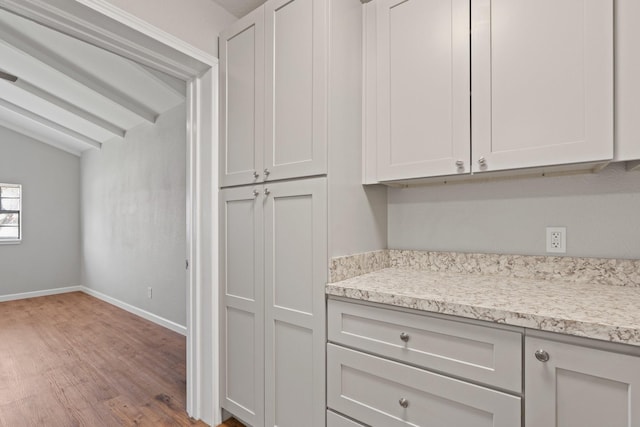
565	326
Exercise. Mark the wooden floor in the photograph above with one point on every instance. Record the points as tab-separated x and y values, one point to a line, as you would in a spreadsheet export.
232	422
73	360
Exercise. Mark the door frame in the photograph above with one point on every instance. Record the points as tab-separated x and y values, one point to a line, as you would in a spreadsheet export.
101	24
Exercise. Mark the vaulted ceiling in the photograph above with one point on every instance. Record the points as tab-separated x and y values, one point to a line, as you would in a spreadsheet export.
72	95
239	8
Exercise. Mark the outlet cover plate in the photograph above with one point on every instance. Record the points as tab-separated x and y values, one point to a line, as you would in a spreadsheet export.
557	240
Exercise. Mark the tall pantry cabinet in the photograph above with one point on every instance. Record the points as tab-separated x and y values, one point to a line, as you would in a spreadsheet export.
290	118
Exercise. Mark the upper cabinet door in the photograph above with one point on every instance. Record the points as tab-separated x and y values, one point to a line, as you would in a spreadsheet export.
542	82
423	88
627	56
242	101
296	86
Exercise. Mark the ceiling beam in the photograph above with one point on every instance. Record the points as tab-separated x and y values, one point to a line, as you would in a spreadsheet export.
74	109
41	53
35	136
50	124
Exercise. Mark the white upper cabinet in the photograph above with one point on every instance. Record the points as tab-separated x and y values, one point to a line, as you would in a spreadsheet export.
242	101
273	80
509	84
423	88
542	79
296	135
627	82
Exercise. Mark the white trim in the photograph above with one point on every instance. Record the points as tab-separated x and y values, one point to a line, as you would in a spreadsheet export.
175	327
114	12
101	24
193	242
44	293
10	242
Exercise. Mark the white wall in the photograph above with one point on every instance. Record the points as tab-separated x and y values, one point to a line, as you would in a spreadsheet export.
49	254
357	213
134	217
601	213
197	22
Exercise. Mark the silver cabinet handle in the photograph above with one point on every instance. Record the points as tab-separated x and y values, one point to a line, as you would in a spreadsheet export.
256	175
403	402
255	193
459	163
482	161
267	191
404	336
266	172
542	355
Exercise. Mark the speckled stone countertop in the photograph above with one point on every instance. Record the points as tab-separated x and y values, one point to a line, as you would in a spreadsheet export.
587	308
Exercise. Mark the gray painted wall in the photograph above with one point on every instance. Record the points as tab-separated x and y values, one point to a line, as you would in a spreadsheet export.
49	254
357	213
601	212
134	217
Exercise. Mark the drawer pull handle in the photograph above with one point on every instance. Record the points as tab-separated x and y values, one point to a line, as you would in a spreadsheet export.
403	402
404	336
542	355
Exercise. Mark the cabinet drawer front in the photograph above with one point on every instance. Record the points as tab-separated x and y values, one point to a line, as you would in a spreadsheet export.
381	392
482	354
335	420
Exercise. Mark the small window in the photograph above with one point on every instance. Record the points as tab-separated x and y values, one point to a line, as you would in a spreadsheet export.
10	213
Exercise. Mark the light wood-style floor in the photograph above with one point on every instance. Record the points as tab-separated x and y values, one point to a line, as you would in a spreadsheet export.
73	360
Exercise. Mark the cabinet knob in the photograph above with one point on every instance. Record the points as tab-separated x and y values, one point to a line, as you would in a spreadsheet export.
542	355
267	191
482	161
256	175
266	172
459	163
255	193
403	402
404	336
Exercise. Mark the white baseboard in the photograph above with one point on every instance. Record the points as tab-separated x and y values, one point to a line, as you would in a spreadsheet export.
175	327
120	304
35	294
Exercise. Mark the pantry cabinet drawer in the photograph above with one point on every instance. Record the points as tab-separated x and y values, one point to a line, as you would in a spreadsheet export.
335	420
482	354
380	392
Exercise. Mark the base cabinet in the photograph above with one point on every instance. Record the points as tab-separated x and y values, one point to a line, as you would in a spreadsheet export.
573	386
382	392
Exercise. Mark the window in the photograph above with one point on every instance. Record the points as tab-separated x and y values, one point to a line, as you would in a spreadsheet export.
10	213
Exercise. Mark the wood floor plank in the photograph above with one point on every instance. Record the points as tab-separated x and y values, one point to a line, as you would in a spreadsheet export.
73	360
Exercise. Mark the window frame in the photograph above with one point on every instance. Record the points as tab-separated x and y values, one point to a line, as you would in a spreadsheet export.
13	241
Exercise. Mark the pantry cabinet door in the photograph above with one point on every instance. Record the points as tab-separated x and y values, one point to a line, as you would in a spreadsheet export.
296	89
423	88
295	219
242	101
242	304
574	386
542	79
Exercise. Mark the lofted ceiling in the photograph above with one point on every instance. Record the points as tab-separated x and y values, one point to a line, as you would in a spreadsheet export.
239	8
72	95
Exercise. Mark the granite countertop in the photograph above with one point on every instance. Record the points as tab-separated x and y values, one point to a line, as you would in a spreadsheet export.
590	309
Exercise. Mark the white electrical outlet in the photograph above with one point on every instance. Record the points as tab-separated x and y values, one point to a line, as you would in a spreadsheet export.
150	292
557	240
